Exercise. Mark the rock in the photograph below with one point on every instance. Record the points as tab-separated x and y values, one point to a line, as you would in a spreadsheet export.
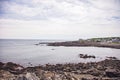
1	65
13	68
99	67
27	76
37	44
112	58
6	75
84	79
86	56
112	73
93	72
77	72
52	49
56	77
22	78
31	76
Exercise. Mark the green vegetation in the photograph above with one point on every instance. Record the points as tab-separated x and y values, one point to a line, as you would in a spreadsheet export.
106	39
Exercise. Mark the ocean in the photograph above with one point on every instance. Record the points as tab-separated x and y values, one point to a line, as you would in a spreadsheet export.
26	53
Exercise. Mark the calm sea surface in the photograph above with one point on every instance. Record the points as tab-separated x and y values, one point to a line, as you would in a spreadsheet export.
25	52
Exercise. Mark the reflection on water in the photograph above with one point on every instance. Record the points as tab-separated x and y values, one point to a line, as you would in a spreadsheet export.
24	52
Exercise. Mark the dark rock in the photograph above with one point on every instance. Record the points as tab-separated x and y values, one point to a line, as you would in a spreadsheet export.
86	56
93	72
112	73
36	44
112	58
13	68
1	65
84	79
22	78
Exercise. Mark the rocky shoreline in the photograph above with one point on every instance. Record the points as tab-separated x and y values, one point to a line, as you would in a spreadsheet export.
110	42
108	69
85	43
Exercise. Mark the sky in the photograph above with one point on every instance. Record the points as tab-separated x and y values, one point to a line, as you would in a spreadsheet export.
59	19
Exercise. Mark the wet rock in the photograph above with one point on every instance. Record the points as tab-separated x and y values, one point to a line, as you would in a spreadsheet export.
52	49
36	44
86	56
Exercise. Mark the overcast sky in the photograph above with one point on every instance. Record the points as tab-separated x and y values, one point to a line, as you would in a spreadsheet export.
59	19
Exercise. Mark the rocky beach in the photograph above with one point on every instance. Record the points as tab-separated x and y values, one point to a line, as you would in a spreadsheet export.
108	69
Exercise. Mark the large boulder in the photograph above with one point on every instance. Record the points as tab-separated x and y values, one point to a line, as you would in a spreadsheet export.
13	68
112	72
1	65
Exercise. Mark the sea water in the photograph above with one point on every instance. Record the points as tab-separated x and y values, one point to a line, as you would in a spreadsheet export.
26	53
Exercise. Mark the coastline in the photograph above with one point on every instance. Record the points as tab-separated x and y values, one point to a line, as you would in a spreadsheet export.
85	44
108	69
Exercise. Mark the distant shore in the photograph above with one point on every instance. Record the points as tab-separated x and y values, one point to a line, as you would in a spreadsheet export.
108	69
111	42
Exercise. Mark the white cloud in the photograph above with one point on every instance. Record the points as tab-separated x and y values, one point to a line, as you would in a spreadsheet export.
78	10
107	4
64	18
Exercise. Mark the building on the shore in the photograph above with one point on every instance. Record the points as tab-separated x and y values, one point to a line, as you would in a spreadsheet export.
116	40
